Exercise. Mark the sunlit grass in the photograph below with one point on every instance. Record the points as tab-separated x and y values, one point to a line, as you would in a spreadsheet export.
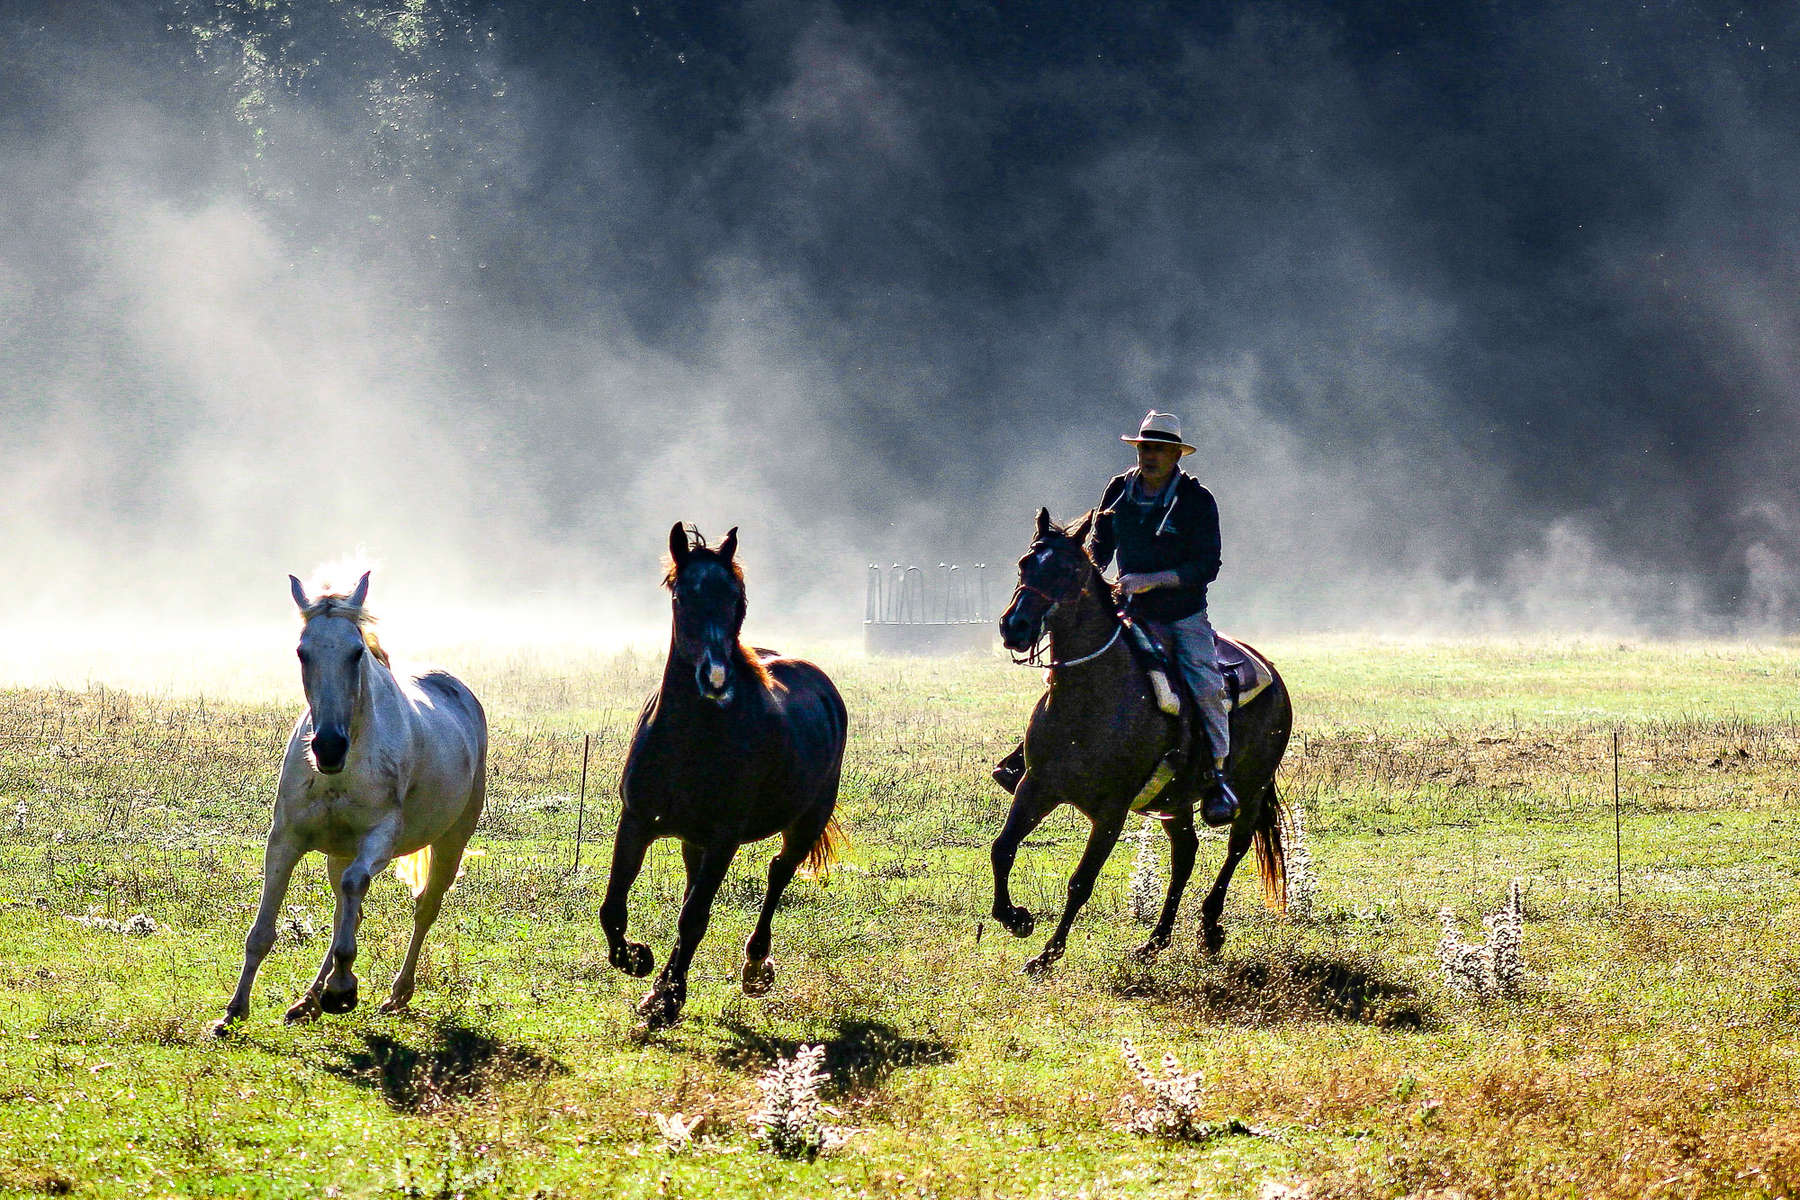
1651	1053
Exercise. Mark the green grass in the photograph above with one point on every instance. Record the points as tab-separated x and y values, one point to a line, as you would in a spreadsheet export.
1652	1054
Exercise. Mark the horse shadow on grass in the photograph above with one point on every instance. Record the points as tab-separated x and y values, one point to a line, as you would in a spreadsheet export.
459	1062
1276	988
859	1054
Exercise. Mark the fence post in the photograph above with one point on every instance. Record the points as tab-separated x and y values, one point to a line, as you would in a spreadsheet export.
1619	837
581	805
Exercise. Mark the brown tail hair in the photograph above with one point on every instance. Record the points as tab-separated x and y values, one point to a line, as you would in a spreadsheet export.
827	850
1271	860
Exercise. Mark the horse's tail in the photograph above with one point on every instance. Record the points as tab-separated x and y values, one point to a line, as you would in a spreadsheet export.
415	869
827	850
1271	860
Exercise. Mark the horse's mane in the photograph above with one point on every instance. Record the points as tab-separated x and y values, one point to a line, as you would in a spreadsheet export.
1097	578
336	604
697	548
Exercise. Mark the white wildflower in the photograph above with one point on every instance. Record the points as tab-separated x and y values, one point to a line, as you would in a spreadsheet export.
678	1129
137	926
298	927
1496	967
1302	884
1173	1110
1461	962
1146	879
1506	936
787	1121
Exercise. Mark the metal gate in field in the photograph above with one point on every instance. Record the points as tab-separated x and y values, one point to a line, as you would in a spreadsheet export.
912	610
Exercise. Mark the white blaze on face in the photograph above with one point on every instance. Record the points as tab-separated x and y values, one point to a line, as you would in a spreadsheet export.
716	676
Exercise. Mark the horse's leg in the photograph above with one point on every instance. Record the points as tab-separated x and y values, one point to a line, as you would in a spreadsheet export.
306	1008
1183	843
1026	814
629	847
282	853
706	871
1101	839
372	857
446	857
691	857
1212	933
759	968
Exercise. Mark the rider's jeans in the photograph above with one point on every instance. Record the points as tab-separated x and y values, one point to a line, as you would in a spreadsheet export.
1191	640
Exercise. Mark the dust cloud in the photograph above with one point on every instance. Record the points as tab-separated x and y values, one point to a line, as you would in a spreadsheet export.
1481	315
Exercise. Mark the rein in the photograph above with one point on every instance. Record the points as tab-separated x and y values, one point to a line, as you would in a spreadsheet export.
1031	657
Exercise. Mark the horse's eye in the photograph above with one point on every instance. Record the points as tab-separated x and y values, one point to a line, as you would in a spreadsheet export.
301	654
356	653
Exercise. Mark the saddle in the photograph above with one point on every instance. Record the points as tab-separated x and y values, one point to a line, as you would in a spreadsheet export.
1245	673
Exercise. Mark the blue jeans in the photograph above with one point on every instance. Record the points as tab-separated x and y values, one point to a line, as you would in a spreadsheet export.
1191	642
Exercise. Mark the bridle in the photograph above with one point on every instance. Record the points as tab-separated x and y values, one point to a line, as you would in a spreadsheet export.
1034	657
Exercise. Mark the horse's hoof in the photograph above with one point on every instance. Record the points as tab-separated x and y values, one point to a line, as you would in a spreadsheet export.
633	958
222	1027
339	1002
1017	921
759	977
1148	952
305	1009
661	1008
1040	966
1212	938
394	1004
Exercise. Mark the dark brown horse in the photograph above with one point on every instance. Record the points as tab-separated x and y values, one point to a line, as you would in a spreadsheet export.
734	747
1097	735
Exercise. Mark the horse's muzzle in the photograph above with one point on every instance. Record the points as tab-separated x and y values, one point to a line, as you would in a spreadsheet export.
1016	633
715	682
330	747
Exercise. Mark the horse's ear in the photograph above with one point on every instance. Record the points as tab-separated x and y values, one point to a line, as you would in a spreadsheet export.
299	593
1081	531
362	590
728	547
678	544
1043	521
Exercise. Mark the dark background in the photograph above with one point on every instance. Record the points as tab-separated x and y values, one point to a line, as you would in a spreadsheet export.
1482	312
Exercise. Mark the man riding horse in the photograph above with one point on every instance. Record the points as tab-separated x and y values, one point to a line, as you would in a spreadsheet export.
1163	525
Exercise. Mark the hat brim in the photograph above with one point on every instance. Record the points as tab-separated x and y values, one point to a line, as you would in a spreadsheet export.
1137	441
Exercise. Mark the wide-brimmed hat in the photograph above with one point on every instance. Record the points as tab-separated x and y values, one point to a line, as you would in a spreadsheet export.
1160	427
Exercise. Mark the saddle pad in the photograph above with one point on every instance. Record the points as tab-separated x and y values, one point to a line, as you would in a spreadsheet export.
1245	672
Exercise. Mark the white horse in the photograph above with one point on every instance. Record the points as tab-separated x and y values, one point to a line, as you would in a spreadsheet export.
379	769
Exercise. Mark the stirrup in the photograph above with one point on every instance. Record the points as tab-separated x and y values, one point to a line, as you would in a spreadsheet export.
1218	803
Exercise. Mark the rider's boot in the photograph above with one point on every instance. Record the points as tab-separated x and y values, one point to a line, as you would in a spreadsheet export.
1218	803
1011	769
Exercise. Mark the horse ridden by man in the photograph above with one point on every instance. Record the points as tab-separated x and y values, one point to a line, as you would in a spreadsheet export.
1109	736
736	745
382	768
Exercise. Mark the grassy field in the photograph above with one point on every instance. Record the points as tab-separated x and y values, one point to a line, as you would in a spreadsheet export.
1652	1053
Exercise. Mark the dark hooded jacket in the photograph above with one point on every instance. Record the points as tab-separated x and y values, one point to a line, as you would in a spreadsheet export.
1181	534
